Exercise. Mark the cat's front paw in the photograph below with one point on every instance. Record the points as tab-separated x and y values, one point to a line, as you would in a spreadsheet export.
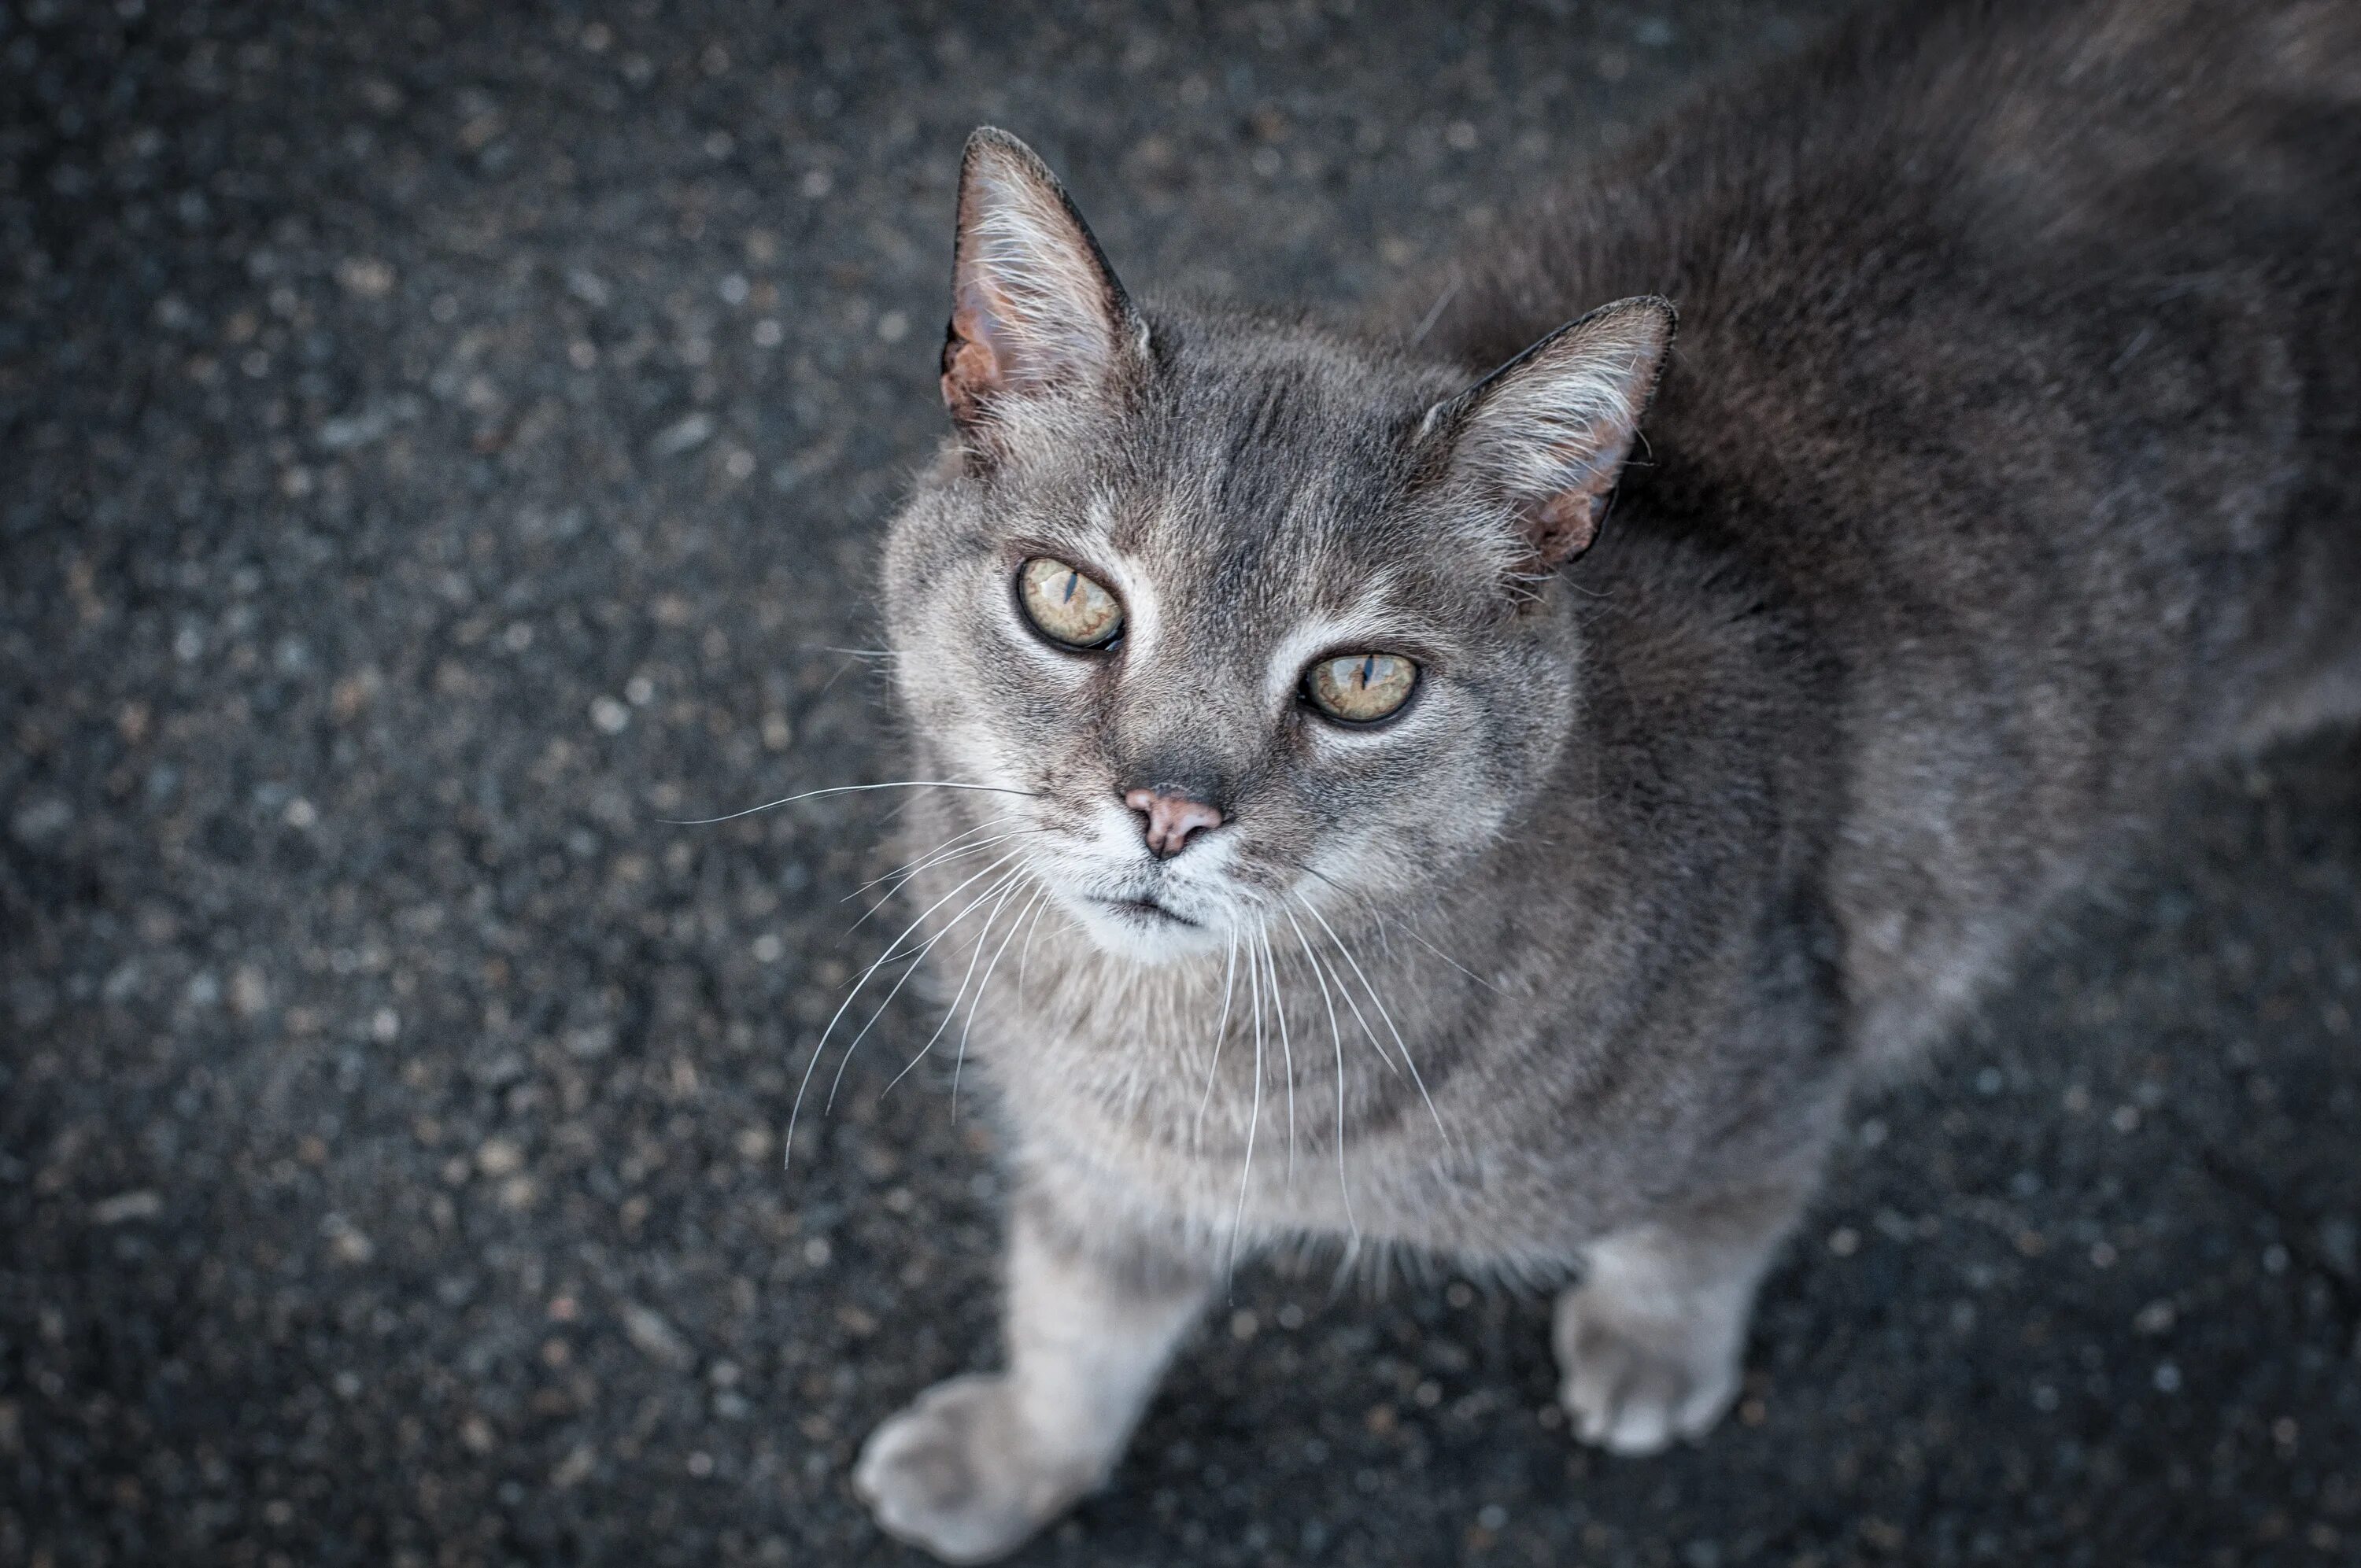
958	1474
1635	1381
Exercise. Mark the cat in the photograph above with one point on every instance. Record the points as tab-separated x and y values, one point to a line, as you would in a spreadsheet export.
1496	792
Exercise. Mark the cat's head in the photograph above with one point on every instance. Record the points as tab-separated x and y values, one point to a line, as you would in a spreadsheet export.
1254	617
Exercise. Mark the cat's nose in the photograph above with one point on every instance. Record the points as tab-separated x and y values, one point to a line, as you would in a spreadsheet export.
1170	819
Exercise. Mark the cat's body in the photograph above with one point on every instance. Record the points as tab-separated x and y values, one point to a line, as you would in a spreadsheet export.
2009	465
2017	363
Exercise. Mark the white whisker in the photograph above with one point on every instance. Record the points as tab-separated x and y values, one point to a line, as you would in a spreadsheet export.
787	1154
1007	887
1378	1002
959	1062
945	859
1287	1056
1254	1122
931	943
1368	1030
919	861
1025	957
1410	931
1336	1034
839	789
1221	1032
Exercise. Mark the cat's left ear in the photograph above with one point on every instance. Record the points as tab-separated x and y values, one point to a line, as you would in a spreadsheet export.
1548	434
1035	310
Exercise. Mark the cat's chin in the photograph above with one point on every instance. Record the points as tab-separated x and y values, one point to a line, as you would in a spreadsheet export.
1143	932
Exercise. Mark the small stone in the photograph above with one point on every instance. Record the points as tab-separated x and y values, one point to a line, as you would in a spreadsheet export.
574	1468
139	1204
683	436
2340	1243
42	821
250	993
655	1335
365	277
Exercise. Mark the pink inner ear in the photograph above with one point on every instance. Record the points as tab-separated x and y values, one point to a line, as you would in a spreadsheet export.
971	369
1565	525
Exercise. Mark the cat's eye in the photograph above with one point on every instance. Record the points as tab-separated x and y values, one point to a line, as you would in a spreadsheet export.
1066	606
1360	688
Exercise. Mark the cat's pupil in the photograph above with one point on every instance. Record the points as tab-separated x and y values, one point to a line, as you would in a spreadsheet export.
1072	579
1368	664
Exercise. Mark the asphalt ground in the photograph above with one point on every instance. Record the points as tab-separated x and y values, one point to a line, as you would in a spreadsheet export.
438	442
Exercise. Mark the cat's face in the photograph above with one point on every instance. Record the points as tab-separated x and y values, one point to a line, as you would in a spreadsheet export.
1240	616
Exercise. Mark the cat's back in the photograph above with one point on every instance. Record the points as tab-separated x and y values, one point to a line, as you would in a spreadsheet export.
1977	151
1983	277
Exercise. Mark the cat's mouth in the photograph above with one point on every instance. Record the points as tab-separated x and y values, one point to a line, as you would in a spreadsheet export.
1146	911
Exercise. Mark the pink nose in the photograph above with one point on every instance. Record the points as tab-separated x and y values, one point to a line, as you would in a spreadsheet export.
1170	819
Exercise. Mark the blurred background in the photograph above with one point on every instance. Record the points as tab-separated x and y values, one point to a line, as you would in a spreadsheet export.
439	441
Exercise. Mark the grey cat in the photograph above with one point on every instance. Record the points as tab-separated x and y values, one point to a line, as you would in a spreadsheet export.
1368	838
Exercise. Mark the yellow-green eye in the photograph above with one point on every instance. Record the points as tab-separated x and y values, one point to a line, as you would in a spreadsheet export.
1065	605
1360	688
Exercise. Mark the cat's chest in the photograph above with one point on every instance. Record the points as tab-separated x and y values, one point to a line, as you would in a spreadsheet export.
1142	1097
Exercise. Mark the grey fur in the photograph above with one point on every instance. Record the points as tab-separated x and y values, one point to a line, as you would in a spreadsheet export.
2006	468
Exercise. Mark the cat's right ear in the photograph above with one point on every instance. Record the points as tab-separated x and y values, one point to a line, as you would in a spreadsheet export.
1546	435
1035	310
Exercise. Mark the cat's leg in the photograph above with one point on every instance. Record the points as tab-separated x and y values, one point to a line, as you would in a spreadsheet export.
981	1462
1650	1342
